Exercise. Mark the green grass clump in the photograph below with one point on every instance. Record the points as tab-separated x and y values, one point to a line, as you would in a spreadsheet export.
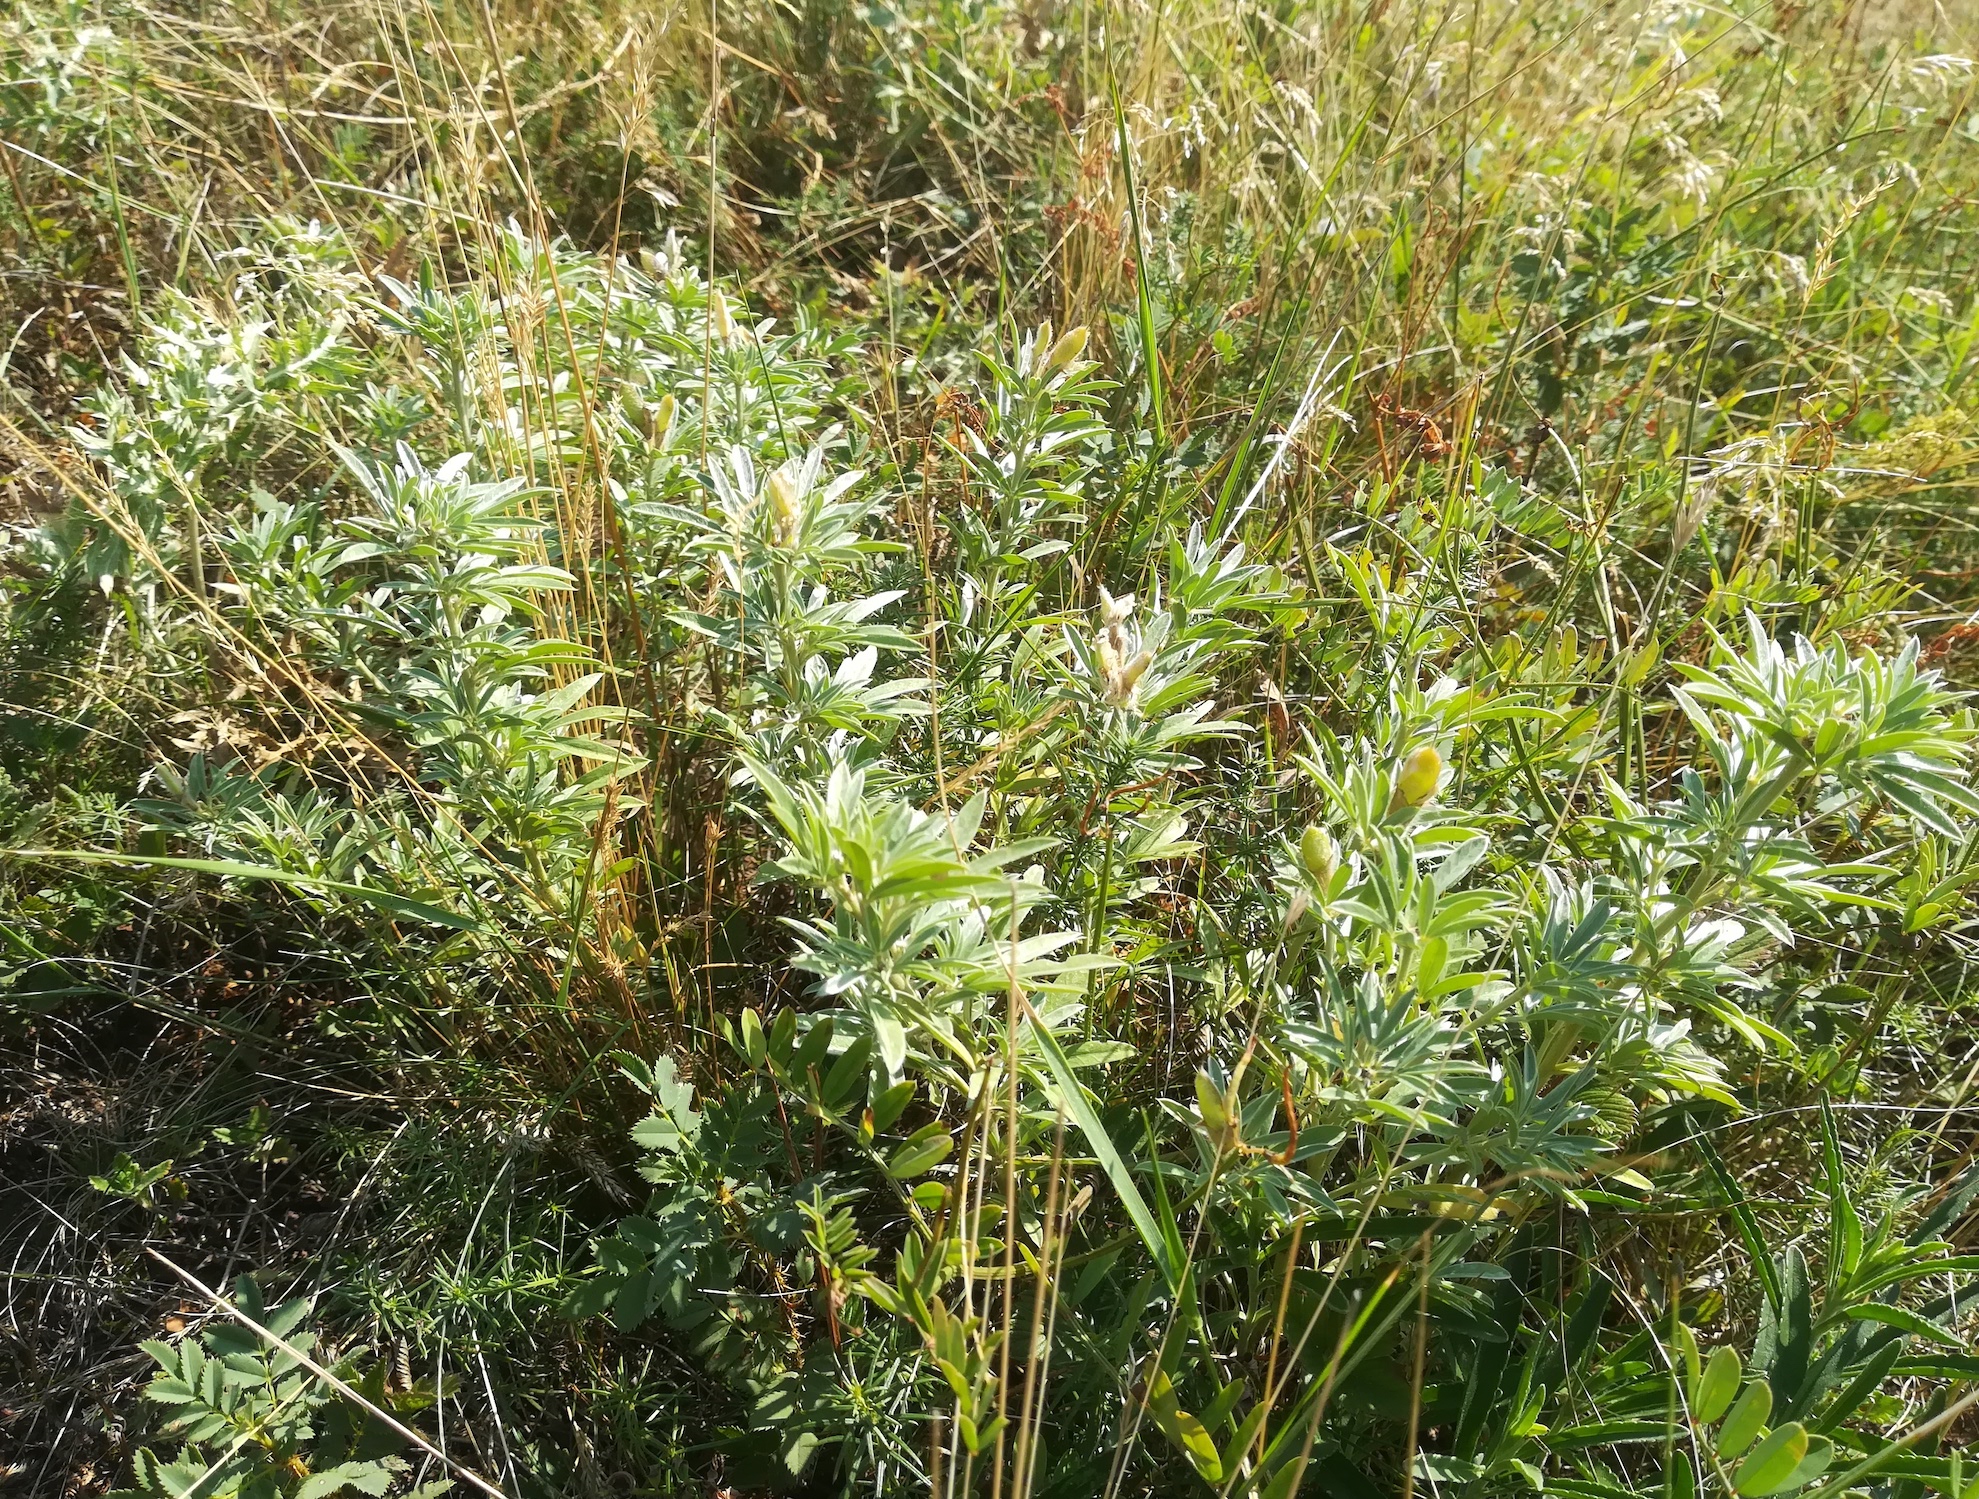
988	750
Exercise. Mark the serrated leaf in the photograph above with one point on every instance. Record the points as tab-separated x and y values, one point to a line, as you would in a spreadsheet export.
364	1477
285	1318
592	1297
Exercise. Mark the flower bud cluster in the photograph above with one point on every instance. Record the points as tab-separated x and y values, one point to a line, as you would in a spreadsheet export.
1122	662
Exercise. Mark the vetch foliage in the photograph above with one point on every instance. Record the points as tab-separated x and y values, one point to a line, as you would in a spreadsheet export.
990	751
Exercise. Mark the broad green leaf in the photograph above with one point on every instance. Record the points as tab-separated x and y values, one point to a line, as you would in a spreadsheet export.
888	1106
1743	1425
1772	1463
1101	1053
755	1045
1717	1386
924	1151
1184	1430
1820	1456
892	1038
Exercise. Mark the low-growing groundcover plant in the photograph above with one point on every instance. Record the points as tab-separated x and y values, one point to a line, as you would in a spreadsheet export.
1037	752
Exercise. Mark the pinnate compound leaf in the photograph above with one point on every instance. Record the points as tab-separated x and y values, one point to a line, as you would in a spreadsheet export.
360	1477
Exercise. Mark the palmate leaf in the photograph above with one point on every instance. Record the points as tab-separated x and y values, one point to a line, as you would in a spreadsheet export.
1431	1090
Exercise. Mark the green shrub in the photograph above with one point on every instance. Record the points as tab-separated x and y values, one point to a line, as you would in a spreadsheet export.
1224	753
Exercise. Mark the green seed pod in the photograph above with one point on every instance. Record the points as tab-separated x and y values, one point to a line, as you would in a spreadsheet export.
1317	854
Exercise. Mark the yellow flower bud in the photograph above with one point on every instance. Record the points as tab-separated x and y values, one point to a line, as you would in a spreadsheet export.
719	321
1067	349
1122	676
785	504
1420	773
